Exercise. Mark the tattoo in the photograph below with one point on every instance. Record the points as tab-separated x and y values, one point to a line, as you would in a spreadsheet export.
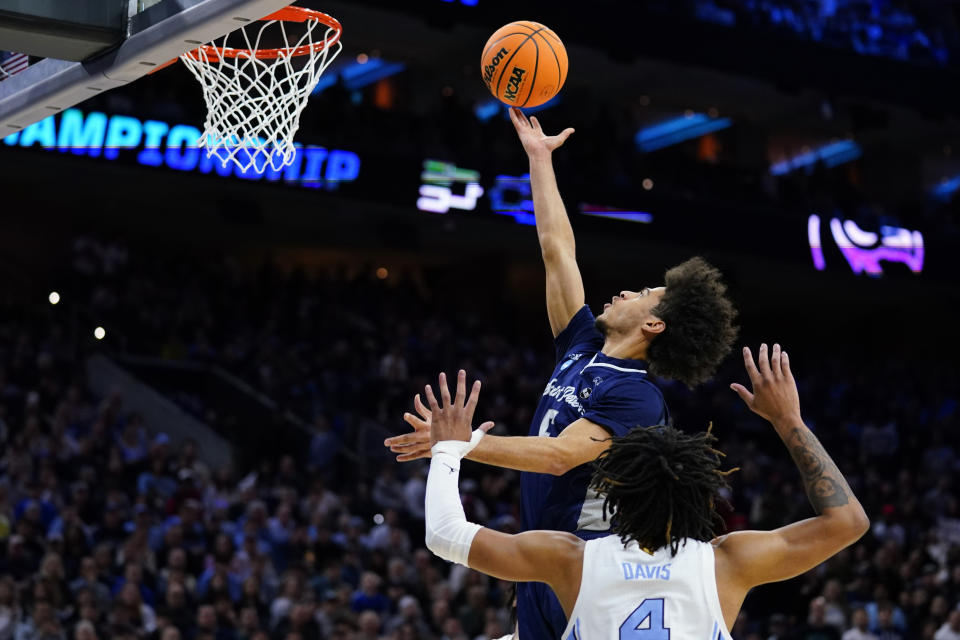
824	484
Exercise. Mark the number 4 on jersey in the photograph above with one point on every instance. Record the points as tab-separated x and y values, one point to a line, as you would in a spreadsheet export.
650	609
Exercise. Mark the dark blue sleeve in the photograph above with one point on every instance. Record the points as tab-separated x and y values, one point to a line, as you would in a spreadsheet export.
579	334
627	404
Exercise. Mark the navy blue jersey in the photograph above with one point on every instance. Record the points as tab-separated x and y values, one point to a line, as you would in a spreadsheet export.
611	392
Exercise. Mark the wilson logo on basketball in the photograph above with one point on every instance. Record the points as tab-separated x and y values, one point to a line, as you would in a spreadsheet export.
513	84
490	68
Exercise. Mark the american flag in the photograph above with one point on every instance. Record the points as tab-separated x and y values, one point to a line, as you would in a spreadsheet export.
11	63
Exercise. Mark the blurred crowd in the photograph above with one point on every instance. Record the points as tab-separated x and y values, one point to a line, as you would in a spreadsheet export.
902	30
110	530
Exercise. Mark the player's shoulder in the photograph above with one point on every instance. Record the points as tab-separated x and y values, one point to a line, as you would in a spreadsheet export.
604	550
613	382
582	317
611	541
737	548
581	326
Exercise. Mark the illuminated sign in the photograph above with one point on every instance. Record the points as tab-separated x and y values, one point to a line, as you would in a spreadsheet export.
831	155
511	196
677	130
436	192
160	144
946	188
617	214
864	250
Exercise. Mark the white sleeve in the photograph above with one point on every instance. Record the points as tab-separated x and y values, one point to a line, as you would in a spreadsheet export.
449	535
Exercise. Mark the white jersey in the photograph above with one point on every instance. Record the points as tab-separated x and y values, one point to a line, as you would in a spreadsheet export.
629	594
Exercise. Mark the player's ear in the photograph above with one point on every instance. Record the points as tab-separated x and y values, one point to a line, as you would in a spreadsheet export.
653	326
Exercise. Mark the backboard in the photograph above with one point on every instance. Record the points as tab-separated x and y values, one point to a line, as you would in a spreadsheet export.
156	32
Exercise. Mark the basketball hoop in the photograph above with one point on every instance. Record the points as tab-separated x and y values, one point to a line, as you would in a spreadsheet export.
255	94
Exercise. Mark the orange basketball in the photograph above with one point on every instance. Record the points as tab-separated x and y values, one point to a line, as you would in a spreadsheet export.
523	64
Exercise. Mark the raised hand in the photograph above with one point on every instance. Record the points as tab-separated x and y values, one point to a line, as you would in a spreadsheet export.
774	395
535	141
451	420
416	444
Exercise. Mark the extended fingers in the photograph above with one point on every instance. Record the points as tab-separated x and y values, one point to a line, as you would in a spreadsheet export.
414	455
472	400
741	391
751	366
444	391
461	388
407	440
775	362
563	135
418	424
763	361
518	118
421	409
431	399
785	366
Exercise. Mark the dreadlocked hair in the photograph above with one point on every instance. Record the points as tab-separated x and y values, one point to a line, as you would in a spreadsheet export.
661	486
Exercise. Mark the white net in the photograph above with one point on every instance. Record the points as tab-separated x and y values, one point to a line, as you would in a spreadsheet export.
254	104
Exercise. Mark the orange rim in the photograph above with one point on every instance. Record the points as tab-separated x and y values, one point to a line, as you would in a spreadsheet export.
287	14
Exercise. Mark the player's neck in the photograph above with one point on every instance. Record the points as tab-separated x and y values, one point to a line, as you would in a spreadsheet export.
626	348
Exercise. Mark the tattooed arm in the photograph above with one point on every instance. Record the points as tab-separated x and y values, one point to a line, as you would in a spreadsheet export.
745	559
825	485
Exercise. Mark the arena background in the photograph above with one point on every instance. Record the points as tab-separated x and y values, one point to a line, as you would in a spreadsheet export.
262	335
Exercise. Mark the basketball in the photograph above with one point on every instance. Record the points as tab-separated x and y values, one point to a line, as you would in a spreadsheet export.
524	64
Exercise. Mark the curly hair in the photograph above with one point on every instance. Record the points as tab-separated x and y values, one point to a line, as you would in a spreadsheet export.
661	486
699	324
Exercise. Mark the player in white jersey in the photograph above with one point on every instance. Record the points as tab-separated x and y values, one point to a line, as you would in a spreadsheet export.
663	574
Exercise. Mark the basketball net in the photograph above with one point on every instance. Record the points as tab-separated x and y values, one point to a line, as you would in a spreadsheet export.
255	96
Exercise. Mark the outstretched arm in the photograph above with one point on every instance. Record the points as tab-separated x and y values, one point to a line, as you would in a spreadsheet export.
552	557
580	442
565	293
749	558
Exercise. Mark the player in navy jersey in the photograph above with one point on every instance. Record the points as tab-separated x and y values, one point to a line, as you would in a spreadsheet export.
600	385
